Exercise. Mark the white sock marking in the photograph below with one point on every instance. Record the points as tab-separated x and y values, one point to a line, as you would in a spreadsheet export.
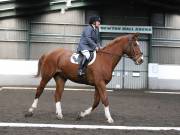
34	105
108	115
86	112
58	109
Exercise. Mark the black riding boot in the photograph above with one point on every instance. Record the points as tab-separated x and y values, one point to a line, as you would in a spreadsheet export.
82	66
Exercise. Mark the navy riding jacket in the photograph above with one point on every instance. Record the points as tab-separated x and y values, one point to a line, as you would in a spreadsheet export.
90	39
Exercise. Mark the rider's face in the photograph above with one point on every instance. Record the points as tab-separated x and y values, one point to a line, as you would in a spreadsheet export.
97	24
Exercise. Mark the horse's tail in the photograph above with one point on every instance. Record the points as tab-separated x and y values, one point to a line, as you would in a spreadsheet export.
41	59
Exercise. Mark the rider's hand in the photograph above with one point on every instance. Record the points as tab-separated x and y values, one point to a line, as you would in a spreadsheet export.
100	47
97	48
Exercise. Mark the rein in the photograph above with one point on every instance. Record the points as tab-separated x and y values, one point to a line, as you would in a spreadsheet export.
129	47
116	55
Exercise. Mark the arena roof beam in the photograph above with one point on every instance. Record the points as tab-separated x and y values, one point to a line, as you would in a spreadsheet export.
10	8
6	1
24	8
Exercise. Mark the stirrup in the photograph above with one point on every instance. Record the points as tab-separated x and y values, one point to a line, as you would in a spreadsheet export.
80	72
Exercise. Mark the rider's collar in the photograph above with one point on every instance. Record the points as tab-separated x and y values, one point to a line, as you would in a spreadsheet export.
93	26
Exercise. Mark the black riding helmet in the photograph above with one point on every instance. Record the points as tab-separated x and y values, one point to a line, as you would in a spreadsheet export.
93	19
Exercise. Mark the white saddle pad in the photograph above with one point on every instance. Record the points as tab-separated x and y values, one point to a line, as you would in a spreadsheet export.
75	58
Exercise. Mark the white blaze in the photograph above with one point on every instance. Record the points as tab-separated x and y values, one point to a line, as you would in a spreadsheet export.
137	43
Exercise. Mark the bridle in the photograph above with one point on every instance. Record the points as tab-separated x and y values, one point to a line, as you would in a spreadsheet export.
132	51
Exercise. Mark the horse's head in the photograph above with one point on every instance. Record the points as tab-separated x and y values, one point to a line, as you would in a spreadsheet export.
132	49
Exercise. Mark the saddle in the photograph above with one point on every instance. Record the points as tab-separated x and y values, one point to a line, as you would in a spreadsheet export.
77	57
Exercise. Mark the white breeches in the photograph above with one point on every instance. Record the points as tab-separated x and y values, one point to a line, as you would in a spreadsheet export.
86	53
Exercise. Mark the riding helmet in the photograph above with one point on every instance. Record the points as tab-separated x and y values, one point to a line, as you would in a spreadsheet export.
94	19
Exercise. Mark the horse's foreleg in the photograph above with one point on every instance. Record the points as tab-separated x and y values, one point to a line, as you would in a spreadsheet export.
39	91
96	99
60	82
90	109
104	98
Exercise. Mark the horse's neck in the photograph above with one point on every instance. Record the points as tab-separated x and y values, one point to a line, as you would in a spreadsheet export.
116	50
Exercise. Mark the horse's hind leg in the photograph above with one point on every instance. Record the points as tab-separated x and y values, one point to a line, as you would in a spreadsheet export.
60	82
90	109
39	91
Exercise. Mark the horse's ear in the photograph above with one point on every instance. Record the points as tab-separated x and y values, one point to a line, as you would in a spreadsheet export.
135	36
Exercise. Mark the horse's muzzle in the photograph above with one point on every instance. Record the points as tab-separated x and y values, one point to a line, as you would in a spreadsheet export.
139	60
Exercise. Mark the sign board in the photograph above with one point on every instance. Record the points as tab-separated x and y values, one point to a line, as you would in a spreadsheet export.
125	29
136	74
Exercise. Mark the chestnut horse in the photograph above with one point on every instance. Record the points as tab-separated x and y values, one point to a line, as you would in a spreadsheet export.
57	65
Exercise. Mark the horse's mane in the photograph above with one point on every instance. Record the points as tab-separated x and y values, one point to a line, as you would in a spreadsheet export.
114	41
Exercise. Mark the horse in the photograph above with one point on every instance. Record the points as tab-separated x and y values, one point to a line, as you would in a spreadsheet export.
57	65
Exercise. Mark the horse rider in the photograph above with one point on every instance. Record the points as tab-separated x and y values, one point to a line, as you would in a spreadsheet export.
89	42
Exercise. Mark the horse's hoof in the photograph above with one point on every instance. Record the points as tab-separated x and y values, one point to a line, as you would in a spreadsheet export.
59	117
79	117
29	114
110	121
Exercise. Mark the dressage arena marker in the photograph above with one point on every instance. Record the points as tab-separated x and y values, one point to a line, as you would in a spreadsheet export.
162	92
64	126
